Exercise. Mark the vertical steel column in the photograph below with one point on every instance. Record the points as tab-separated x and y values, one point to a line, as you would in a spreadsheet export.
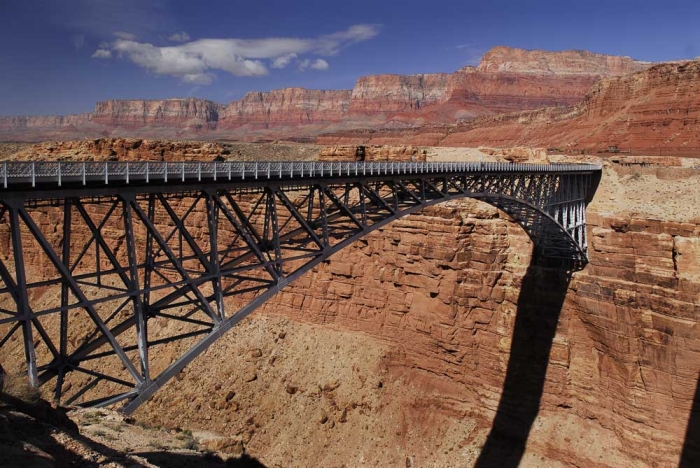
63	340
324	216
149	260
139	312
363	206
213	222
394	196
310	206
23	310
271	229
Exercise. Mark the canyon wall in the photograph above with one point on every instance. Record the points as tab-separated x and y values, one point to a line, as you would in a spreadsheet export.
570	62
607	360
506	80
413	344
195	114
446	308
656	110
288	106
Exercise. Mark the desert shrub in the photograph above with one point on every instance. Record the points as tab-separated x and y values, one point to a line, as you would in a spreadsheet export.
191	444
17	386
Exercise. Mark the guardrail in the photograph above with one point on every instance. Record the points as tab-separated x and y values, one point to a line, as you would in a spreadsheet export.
128	171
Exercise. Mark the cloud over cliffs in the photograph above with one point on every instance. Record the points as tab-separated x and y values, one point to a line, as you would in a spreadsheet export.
197	61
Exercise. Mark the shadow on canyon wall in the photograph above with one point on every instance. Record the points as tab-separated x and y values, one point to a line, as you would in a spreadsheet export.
541	298
690	457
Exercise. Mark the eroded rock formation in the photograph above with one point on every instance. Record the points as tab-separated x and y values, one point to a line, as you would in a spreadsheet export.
656	110
507	80
398	347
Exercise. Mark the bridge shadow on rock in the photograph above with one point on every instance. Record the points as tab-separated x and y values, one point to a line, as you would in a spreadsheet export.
188	460
690	457
541	298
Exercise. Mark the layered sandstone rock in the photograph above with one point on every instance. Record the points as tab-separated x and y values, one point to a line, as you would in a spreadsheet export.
371	153
448	291
376	94
656	110
288	106
43	121
507	80
193	114
397	348
570	62
122	149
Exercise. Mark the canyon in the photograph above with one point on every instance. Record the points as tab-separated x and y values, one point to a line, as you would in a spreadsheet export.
401	349
506	80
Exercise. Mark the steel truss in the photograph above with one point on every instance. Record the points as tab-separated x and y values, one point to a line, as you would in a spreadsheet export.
152	265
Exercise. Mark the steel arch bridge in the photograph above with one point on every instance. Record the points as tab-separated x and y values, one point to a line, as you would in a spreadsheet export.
161	252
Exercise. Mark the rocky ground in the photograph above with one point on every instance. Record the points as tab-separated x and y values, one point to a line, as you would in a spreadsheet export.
34	433
130	149
8	149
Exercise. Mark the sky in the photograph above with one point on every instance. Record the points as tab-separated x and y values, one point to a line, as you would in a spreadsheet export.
61	56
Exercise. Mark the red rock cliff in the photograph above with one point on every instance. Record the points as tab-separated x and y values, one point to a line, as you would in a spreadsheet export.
43	121
507	80
656	110
288	106
448	294
175	113
570	62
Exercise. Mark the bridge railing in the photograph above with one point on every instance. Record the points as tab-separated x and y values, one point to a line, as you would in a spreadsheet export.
158	171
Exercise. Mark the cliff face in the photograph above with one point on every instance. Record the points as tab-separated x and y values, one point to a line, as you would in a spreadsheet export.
176	113
656	110
570	62
449	293
406	337
398	93
288	106
507	80
43	121
122	149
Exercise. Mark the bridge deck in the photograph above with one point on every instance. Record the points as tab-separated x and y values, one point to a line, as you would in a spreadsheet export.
29	175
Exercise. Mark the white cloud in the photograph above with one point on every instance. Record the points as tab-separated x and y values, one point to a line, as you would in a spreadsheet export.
198	78
102	54
195	61
125	35
283	60
331	44
179	37
320	64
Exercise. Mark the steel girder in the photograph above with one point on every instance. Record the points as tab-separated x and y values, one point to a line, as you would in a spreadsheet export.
114	276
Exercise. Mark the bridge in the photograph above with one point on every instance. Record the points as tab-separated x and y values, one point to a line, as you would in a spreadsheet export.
106	261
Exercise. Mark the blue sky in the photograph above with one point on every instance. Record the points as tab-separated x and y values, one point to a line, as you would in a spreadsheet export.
60	56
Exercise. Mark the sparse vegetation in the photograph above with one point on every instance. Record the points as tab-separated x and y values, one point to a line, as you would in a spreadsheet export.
191	444
18	386
117	427
157	445
93	417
